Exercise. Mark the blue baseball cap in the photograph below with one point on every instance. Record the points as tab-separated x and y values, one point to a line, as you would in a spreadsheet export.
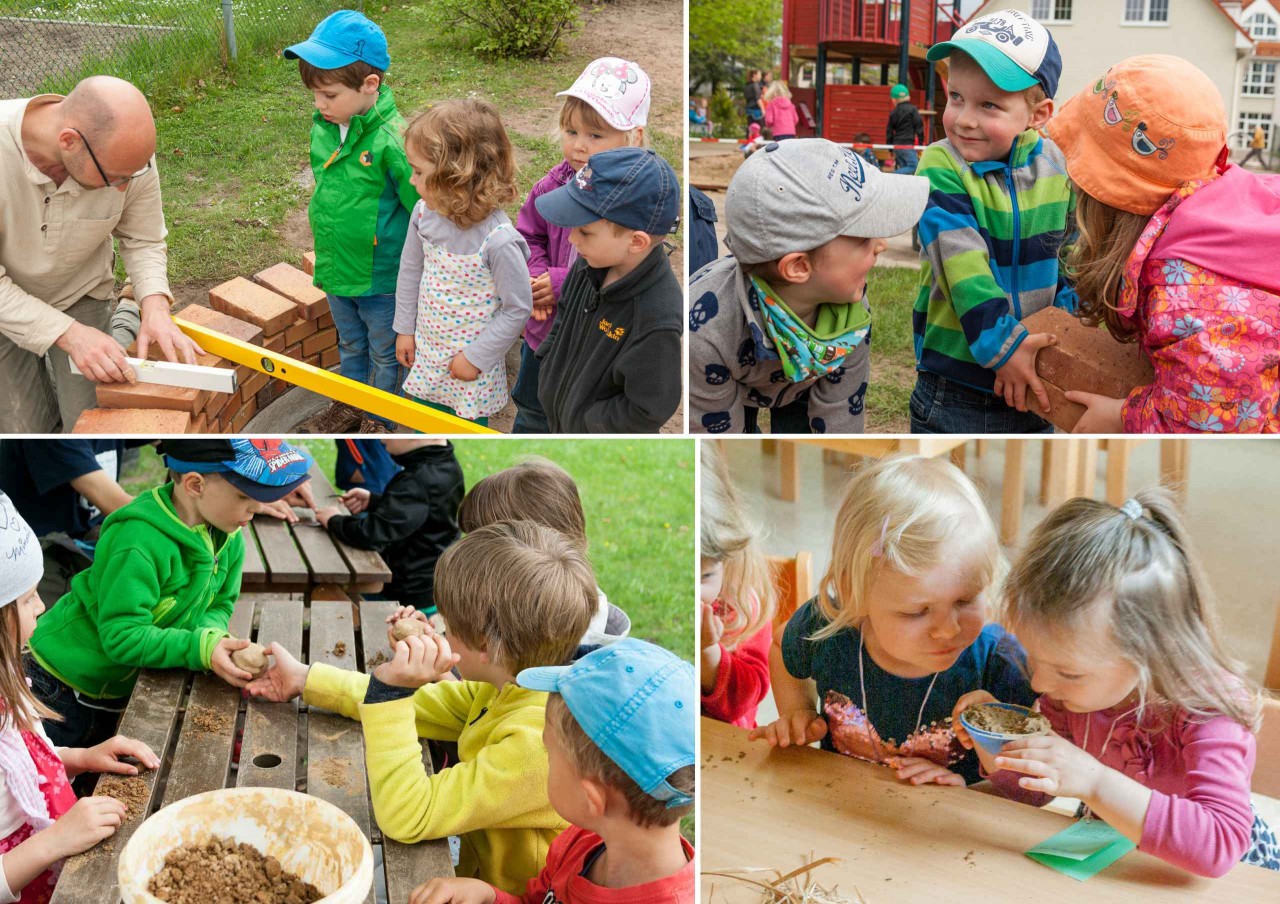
340	40
1013	49
636	702
632	187
262	469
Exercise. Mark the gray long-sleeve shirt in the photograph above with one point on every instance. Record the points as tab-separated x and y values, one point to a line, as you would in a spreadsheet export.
506	255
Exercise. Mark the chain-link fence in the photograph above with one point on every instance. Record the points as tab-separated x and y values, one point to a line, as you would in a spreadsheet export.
49	45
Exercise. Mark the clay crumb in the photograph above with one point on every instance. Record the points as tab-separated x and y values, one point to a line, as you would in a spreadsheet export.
131	791
340	649
377	660
999	720
222	870
336	771
208	721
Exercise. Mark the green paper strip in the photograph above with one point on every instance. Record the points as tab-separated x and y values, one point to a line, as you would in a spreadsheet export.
1083	849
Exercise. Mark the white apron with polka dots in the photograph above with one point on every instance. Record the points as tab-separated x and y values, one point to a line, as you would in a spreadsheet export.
456	301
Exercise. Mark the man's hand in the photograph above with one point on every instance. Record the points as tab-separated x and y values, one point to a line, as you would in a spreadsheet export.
1104	415
96	355
462	369
1016	374
158	327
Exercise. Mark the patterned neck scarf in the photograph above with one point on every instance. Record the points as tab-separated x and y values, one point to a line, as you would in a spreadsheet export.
805	351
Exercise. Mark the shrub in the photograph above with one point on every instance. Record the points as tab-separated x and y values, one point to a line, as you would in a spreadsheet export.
729	123
525	29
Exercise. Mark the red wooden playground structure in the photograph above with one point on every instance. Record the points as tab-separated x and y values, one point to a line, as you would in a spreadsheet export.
840	37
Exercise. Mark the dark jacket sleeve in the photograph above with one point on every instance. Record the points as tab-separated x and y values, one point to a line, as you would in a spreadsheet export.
399	511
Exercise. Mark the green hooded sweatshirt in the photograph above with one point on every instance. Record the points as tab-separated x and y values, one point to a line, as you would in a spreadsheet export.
360	209
158	595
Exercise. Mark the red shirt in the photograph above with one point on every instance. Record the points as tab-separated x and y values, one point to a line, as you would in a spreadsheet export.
741	682
563	880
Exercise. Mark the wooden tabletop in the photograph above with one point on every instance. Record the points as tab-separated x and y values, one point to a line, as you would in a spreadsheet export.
781	809
287	558
191	721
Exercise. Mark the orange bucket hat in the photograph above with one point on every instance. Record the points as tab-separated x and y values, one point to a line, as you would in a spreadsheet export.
1150	124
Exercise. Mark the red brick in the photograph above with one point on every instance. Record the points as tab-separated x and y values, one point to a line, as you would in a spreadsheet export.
279	388
149	395
329	357
326	320
294	352
1087	359
215	424
132	421
276	343
223	323
246	301
313	359
309	263
300	330
297	286
266	395
253	384
200	424
240	419
323	339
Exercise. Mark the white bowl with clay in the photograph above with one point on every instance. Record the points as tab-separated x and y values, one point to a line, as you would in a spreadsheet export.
310	837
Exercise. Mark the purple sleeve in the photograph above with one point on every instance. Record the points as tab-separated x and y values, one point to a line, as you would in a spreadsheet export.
531	225
1207	830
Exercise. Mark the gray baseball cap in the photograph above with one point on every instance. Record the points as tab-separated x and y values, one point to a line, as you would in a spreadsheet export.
796	195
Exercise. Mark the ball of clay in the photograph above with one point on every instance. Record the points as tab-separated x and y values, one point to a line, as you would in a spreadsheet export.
407	627
253	659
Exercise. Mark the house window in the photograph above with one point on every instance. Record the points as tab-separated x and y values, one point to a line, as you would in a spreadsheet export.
1249	121
1260	79
1051	10
1261	27
1146	11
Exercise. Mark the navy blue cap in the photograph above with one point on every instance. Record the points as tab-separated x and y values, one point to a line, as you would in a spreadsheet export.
342	39
262	469
632	187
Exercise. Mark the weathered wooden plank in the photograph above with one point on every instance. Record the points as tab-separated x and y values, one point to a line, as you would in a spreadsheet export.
367	567
323	559
284	563
150	718
202	759
253	573
335	744
269	751
407	865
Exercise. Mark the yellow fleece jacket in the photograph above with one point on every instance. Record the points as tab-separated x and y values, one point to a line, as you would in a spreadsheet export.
494	798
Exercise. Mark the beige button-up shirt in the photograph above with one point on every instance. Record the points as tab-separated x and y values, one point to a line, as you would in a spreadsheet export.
56	240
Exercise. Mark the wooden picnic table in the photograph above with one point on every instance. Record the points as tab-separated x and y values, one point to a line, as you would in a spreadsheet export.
192	721
784	808
297	558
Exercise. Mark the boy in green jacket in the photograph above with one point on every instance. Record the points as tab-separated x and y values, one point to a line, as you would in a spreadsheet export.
360	209
164	579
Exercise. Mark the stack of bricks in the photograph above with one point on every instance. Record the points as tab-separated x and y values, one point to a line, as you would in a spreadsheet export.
279	310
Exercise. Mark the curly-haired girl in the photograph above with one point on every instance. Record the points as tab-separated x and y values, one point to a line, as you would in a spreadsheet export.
463	294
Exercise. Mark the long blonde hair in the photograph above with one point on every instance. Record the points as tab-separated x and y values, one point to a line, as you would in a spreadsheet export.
1088	553
777	89
19	707
729	536
1095	261
920	506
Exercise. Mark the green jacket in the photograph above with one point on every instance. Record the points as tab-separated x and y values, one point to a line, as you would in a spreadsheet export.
159	595
359	211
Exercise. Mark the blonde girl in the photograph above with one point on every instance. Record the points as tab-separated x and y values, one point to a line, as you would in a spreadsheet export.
780	116
898	632
41	822
463	292
737	600
607	107
1173	251
1154	725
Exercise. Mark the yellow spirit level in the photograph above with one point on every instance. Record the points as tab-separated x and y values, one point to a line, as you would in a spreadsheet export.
358	395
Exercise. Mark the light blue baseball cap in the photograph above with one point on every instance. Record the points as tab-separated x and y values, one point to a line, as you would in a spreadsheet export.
637	703
341	39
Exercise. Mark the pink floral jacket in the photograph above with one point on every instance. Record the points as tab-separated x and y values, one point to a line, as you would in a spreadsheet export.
1213	340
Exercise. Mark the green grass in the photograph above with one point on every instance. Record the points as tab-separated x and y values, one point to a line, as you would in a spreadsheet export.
638	498
892	291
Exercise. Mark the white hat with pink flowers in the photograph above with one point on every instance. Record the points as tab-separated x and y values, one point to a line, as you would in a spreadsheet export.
617	89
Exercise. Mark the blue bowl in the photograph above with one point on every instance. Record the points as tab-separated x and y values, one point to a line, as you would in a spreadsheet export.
992	741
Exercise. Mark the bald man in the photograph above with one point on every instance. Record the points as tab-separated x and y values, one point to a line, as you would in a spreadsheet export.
76	172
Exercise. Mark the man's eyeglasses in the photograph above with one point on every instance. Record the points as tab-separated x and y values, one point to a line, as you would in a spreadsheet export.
109	183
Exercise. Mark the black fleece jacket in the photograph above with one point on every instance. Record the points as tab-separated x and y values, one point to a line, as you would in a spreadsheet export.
411	522
612	361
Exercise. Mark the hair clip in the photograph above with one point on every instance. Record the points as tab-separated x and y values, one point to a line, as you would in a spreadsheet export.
877	550
1132	508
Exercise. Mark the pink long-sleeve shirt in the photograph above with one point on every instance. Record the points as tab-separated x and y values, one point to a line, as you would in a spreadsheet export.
1200	818
741	682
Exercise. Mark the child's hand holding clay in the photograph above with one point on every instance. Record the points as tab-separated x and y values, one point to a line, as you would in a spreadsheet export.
1053	765
283	681
419	660
800	728
453	891
224	667
962	704
405	621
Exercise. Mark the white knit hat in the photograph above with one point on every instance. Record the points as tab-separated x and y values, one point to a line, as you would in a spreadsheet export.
21	561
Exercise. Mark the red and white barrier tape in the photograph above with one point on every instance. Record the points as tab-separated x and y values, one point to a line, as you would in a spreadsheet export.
843	144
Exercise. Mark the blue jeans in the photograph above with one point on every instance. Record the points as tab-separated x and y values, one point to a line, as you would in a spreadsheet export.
367	340
905	162
939	405
530	418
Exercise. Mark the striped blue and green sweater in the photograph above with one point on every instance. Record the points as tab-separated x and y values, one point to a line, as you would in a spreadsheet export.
990	238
